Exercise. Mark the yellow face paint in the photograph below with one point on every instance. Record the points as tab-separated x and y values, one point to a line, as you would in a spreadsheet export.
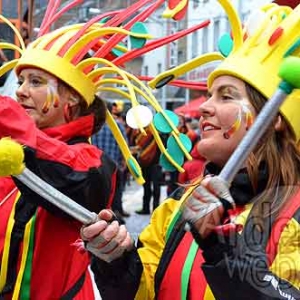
52	95
248	116
244	112
235	126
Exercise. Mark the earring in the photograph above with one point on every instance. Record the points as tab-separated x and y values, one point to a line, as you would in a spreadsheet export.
67	113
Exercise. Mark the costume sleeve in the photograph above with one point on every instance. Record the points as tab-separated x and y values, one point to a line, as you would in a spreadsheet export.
132	276
237	269
80	171
152	243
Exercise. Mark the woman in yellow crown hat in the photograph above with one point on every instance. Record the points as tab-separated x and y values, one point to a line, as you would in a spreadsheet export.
243	240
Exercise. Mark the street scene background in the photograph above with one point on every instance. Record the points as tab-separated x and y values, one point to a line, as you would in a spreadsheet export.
132	201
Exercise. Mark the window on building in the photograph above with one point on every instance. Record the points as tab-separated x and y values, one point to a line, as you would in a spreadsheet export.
216	33
194	44
181	56
181	24
146	70
205	40
173	61
159	68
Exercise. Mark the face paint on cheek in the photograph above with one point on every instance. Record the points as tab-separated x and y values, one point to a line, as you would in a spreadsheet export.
52	95
234	127
248	116
243	111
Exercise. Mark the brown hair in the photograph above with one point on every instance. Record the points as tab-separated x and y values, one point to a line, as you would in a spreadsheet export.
97	108
280	152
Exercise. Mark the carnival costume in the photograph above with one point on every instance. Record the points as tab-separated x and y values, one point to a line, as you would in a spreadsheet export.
172	263
38	258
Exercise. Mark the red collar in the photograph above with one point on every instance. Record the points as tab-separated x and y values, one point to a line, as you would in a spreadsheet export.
82	127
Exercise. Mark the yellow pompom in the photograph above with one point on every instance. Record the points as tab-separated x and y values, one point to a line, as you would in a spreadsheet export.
11	157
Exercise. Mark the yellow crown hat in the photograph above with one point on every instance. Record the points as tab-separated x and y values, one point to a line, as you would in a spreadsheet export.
254	54
62	53
262	53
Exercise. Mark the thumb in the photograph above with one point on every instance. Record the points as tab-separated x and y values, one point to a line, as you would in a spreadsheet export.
218	187
106	215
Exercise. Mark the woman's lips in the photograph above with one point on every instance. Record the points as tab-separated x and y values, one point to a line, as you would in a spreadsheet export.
207	126
28	108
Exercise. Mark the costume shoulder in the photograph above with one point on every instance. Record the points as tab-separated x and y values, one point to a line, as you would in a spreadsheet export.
154	235
151	245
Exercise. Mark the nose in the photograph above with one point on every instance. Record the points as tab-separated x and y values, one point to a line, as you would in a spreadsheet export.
22	91
207	109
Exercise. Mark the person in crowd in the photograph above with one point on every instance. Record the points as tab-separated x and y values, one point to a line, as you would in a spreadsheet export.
192	168
185	127
3	59
221	241
105	141
148	158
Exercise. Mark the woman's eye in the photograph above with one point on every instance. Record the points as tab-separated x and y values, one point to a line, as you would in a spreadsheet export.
227	97
20	82
36	82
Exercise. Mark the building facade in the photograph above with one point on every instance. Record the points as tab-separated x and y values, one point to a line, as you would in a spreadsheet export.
206	39
201	41
173	54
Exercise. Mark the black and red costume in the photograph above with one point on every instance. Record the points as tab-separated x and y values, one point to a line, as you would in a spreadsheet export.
63	157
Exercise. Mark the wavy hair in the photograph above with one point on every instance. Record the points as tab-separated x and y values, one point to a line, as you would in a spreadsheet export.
280	152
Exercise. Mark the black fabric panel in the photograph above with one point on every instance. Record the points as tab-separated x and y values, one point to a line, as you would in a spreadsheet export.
119	279
247	281
177	193
241	189
297	216
241	271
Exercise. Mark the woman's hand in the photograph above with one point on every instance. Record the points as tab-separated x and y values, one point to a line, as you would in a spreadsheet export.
207	205
106	240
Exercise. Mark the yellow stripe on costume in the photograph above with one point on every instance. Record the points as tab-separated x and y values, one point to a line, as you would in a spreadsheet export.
242	217
208	294
26	241
5	255
286	264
